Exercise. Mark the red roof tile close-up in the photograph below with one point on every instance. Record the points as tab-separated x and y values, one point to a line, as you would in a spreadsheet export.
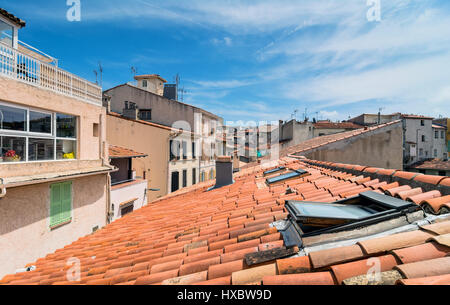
235	235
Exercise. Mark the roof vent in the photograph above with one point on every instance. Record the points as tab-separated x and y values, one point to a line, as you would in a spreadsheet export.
224	172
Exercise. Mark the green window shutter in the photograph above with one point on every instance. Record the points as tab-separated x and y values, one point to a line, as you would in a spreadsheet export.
60	203
55	204
66	195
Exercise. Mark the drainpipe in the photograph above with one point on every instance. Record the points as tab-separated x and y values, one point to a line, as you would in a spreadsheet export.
102	150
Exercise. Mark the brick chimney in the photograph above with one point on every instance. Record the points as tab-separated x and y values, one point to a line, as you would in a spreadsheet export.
130	111
107	102
224	171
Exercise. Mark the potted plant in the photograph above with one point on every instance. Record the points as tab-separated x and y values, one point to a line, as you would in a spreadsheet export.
11	156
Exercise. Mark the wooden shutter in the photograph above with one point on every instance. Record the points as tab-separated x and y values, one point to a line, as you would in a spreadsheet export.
60	203
66	202
55	204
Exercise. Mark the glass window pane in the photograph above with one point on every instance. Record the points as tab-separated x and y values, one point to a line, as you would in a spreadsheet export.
40	149
12	149
40	122
12	118
66	126
66	149
6	33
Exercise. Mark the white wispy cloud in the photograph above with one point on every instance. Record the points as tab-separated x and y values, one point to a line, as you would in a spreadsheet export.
227	41
222	84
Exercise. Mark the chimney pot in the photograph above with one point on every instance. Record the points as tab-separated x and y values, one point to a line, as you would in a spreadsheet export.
224	172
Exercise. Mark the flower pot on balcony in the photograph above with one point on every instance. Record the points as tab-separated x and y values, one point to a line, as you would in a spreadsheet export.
12	159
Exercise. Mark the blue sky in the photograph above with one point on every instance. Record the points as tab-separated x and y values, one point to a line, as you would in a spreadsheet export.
260	60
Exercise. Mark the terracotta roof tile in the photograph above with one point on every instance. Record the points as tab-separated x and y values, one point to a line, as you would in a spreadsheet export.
396	241
238	254
433	267
156	277
202	256
417	199
445	182
436	204
300	264
422	252
253	275
330	257
316	278
443	240
198	266
225	269
242	245
187	279
429	179
439	228
430	280
348	270
171	265
122	152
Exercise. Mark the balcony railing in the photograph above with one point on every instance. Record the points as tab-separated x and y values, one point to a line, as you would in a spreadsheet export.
25	68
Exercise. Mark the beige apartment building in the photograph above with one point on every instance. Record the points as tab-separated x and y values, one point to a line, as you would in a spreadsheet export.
145	101
54	171
165	170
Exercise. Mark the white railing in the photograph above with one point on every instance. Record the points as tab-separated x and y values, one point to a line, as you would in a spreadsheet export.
25	68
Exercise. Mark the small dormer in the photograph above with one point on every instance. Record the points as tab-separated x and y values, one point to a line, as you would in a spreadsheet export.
151	82
9	28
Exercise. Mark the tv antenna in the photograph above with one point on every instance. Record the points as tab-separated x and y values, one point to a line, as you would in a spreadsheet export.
96	76
133	71
100	69
182	91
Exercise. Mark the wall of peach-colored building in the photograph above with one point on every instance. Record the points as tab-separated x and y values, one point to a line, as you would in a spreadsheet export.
25	234
147	139
22	94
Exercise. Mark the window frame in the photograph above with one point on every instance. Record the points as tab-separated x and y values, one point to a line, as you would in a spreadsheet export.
184	178
27	134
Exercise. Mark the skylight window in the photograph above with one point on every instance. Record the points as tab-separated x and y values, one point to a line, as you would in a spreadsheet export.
273	171
284	177
315	218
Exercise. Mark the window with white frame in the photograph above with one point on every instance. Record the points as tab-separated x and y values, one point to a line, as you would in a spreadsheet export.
28	134
6	33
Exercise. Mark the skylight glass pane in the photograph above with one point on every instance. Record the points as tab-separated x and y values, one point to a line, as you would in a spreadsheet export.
274	170
331	211
282	177
286	176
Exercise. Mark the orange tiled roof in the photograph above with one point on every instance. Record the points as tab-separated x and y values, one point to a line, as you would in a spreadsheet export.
415	116
122	152
331	125
197	237
433	164
13	18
